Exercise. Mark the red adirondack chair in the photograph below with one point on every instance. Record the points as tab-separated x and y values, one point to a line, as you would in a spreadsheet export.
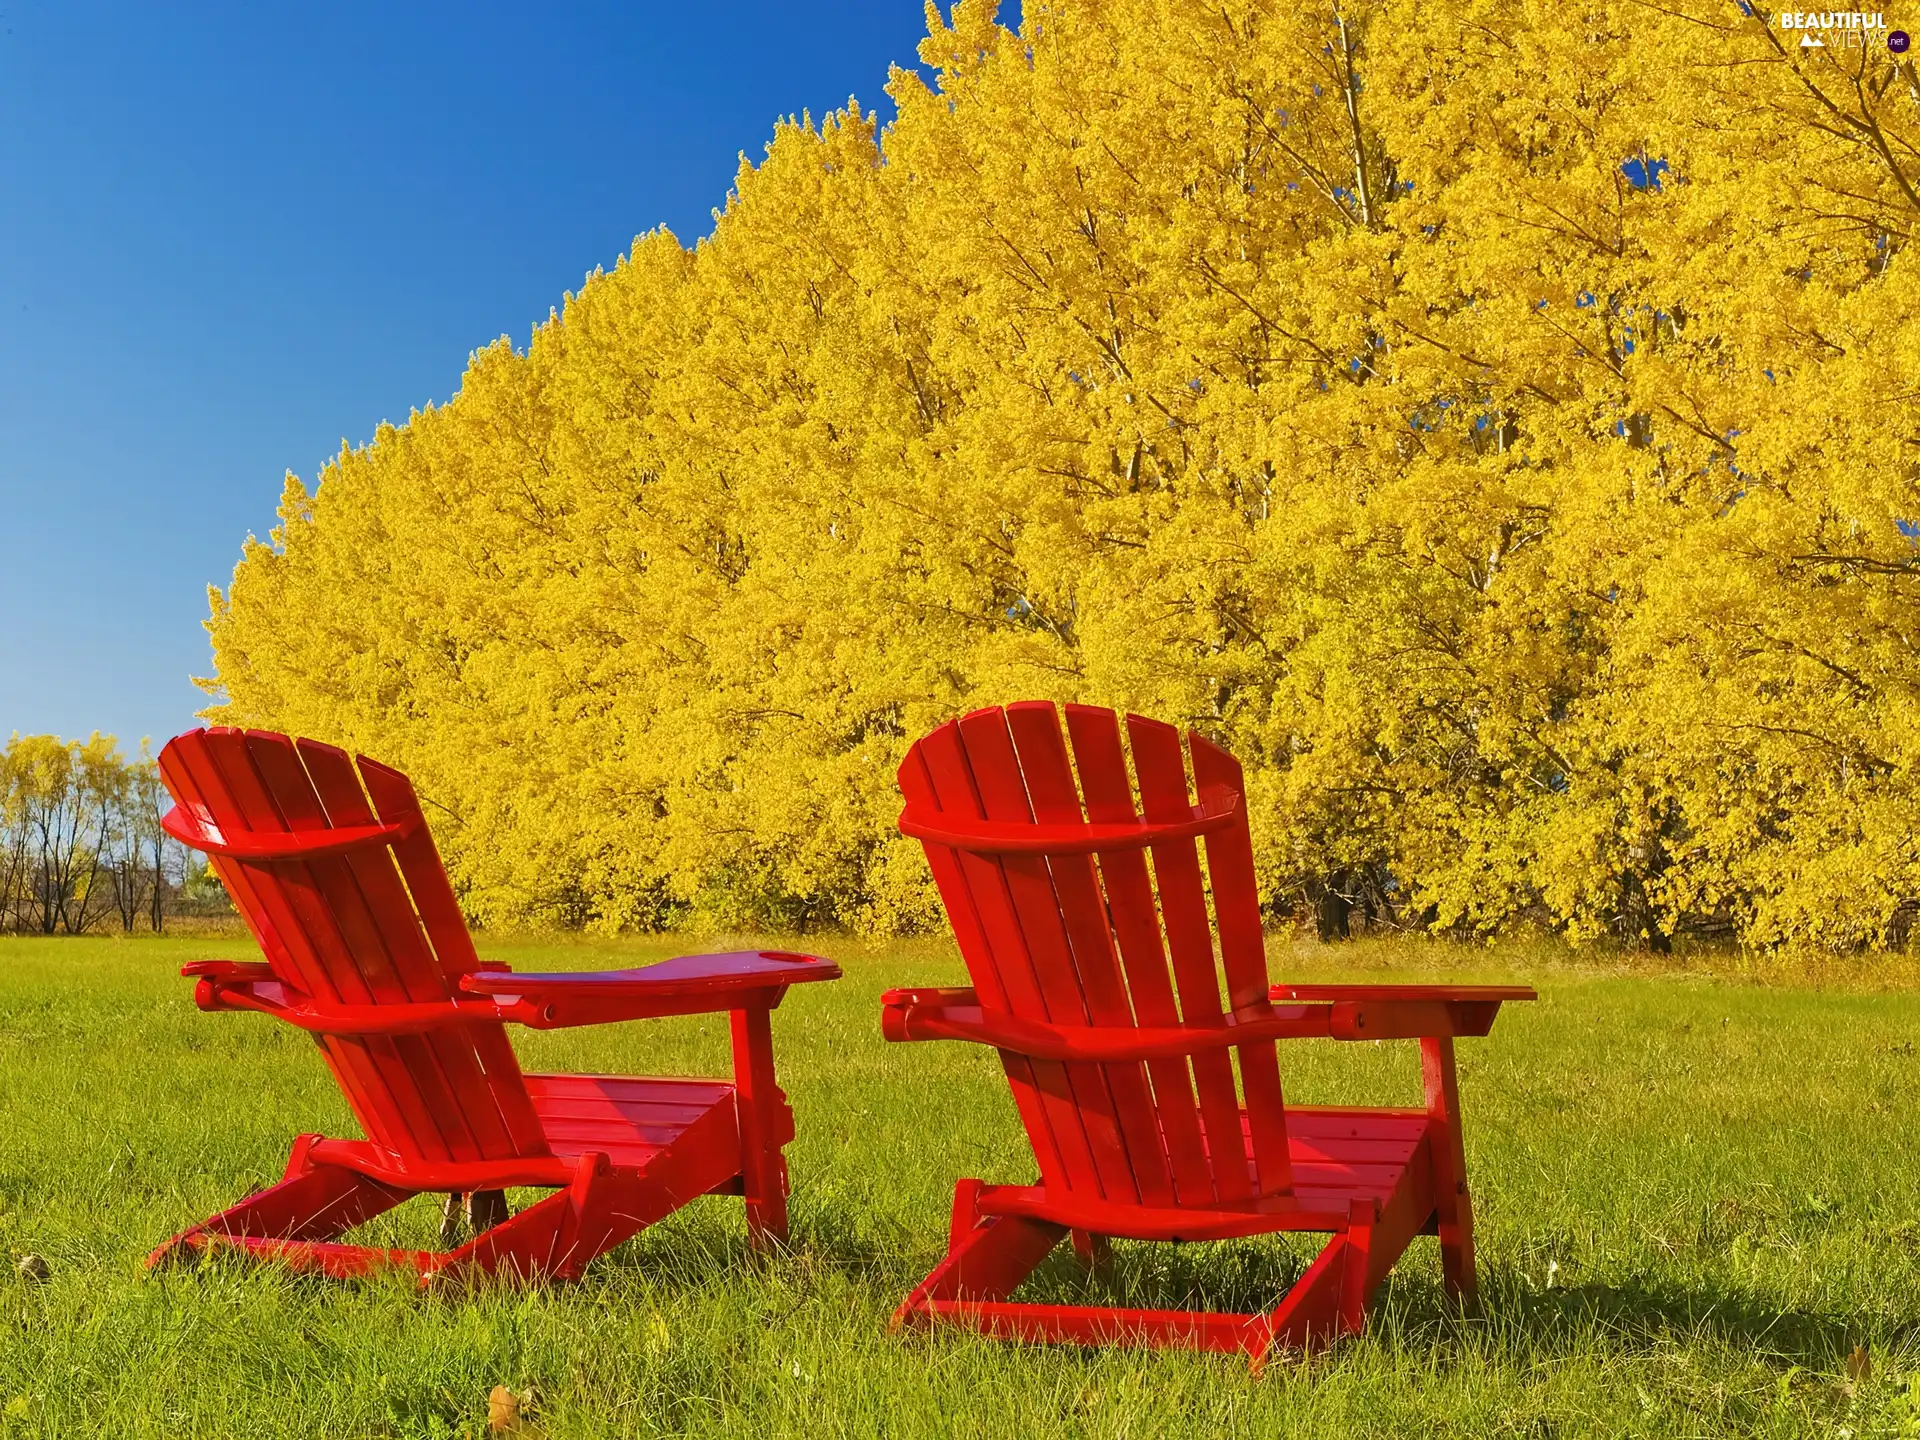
1106	1008
367	951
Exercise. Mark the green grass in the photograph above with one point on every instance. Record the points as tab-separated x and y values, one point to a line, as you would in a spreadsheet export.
1696	1196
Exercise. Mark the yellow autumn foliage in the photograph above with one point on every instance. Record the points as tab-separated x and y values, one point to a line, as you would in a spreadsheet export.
1494	422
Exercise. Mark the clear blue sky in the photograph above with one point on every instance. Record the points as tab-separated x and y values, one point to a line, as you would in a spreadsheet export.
232	236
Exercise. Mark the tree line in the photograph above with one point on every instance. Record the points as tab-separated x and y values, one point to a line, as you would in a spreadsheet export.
1499	435
81	847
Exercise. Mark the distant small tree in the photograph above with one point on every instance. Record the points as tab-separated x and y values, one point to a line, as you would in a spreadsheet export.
14	843
123	856
80	836
139	852
147	802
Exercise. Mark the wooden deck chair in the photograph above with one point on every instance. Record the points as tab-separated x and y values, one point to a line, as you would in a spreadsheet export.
366	949
1085	924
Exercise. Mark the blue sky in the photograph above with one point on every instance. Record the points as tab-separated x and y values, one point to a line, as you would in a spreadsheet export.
231	236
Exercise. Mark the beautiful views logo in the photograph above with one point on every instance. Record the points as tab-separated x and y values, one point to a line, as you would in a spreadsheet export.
1846	29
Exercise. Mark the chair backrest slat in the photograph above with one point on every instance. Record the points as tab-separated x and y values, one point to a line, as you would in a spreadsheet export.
1136	927
956	875
485	1118
1032	782
1096	939
1196	975
988	778
230	797
346	938
1094	958
432	895
1243	956
343	929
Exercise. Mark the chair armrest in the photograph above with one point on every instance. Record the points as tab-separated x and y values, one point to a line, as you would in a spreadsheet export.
685	985
229	970
939	995
1406	1012
904	1016
247	985
237	985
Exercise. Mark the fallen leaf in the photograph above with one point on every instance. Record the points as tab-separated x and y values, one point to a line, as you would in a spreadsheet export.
1860	1362
503	1410
510	1412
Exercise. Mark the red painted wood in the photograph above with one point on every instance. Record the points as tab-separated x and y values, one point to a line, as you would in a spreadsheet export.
188	831
1379	994
1093	1251
997	960
765	1125
1098	981
1095	1325
1138	1169
210	774
1243	957
1069	836
916	783
1031	943
987	1261
1112	1042
339	1262
1453	1202
476	1063
1183	914
433	1086
683	975
1410	1019
1108	792
1311	1312
334	870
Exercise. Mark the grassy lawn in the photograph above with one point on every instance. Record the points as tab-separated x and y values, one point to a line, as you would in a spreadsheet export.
1696	1197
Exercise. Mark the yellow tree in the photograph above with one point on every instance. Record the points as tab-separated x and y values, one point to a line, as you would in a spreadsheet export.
1488	423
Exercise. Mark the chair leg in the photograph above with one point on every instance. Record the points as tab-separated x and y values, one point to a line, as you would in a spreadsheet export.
311	1203
471	1214
766	1124
1314	1311
1453	1203
1094	1251
541	1240
1355	1272
986	1259
486	1209
603	1206
1331	1298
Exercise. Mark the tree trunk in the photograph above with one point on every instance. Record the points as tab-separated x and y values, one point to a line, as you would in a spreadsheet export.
1332	908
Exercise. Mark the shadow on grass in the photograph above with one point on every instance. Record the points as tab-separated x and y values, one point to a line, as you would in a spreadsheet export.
702	1251
1635	1317
1511	1314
